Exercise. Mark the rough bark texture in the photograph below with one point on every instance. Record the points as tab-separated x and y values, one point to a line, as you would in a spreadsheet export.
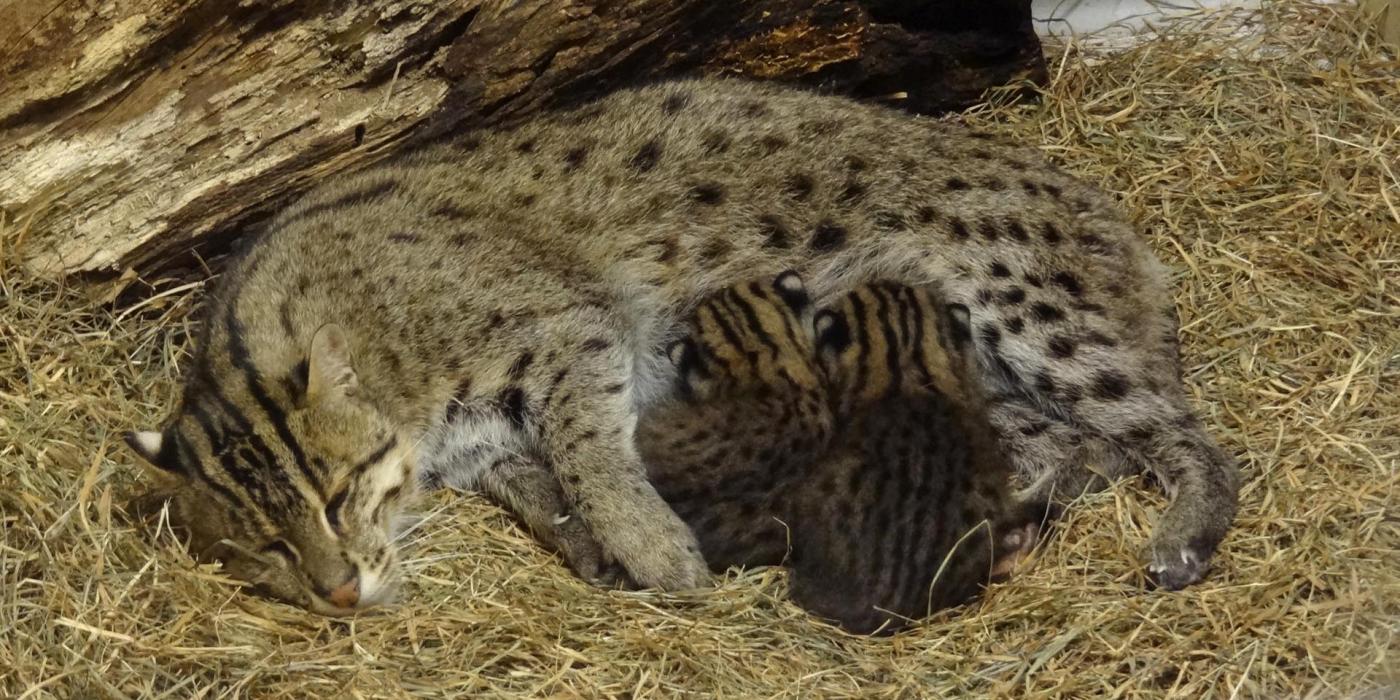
140	133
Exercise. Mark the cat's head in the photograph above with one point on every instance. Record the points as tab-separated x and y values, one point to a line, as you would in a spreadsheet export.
292	483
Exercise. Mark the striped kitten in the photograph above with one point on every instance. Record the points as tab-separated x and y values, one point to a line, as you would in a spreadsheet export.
879	484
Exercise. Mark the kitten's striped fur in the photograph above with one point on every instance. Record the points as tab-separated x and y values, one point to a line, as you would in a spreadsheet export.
880	486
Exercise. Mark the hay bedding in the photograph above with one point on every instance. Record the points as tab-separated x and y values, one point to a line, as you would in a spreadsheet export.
1265	165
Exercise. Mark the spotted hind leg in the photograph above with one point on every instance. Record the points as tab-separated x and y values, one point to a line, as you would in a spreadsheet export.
1115	394
1054	460
1112	376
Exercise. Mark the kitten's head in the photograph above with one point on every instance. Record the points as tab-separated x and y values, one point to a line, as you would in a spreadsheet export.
884	339
293	484
748	338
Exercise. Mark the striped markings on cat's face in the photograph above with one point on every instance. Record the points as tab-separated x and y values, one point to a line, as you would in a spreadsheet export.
299	503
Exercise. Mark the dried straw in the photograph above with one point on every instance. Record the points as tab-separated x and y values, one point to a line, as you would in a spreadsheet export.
1261	153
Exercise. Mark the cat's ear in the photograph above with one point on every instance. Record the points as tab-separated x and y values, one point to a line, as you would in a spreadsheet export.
329	374
155	450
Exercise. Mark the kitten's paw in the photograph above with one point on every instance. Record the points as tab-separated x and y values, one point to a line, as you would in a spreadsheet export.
1175	565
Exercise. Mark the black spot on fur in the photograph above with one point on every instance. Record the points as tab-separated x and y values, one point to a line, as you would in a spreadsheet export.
999	269
820	127
890	221
1095	244
991	335
771	144
1051	190
1044	383
981	154
828	236
799	186
1035	428
1068	282
851	193
595	345
988	230
926	214
1097	338
984	296
955	184
614	388
670	247
1017	231
1052	234
1008	371
715	141
513	402
1046	313
403	237
1014	295
454	213
647	156
753	108
713	250
854	163
775	234
993	184
707	193
521	364
1140	433
526	146
959	229
574	158
1110	386
1030	188
459	239
1061	347
675	102
1015	325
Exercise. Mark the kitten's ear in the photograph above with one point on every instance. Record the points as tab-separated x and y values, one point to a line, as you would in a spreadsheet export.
155	450
691	374
329	374
960	321
790	289
679	353
833	335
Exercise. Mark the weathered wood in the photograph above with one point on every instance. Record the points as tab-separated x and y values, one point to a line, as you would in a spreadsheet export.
143	132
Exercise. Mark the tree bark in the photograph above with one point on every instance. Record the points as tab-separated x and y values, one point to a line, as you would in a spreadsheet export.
144	134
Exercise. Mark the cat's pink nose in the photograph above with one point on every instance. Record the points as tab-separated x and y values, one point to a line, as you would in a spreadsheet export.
347	594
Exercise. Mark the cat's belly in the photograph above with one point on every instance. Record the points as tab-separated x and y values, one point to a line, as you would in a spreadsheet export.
457	453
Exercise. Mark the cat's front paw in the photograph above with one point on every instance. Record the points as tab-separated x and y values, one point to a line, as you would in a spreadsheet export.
660	553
